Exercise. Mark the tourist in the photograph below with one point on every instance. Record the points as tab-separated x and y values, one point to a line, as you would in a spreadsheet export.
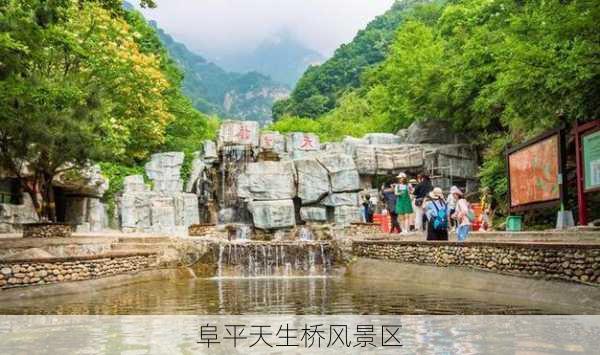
437	215
390	204
463	214
412	218
369	209
451	202
421	191
403	203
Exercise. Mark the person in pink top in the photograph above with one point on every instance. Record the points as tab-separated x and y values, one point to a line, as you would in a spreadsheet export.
462	214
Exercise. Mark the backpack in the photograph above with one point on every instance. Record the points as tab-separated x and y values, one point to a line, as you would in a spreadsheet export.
440	220
470	214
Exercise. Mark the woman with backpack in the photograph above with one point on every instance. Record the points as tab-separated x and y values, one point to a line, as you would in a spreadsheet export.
436	211
462	214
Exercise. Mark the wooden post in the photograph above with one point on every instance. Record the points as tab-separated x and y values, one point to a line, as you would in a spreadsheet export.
581	202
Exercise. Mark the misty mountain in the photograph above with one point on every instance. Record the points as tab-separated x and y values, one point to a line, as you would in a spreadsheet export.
213	90
282	57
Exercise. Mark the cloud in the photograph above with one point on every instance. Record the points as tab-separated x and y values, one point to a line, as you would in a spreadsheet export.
215	27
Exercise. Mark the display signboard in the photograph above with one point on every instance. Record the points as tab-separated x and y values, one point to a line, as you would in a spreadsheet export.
591	160
534	171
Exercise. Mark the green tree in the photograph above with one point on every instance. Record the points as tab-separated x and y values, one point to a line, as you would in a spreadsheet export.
74	88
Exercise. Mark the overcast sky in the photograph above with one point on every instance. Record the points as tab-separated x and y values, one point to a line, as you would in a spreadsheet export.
220	26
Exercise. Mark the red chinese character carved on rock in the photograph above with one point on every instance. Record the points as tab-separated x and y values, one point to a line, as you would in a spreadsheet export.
244	133
307	142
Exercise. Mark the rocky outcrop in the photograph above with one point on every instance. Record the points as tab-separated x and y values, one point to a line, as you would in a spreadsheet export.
342	172
265	181
302	145
165	209
313	214
273	214
238	133
313	180
164	171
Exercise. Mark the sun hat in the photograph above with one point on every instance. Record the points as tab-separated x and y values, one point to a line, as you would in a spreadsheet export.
436	193
455	190
412	181
401	176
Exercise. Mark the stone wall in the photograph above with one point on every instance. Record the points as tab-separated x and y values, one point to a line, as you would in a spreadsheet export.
21	273
579	263
47	230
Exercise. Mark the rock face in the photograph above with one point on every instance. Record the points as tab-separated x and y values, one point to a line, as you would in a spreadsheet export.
88	181
165	209
238	133
313	214
164	171
432	132
313	180
302	145
12	216
134	184
273	214
344	215
265	181
272	141
341	199
342	172
382	138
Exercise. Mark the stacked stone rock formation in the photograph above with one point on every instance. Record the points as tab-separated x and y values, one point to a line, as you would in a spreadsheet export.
164	208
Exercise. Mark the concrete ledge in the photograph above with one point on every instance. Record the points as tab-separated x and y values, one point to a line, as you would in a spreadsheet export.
521	244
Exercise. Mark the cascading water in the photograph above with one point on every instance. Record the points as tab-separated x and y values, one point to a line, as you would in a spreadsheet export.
272	259
305	234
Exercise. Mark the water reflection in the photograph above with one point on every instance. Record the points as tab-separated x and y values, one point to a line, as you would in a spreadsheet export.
274	295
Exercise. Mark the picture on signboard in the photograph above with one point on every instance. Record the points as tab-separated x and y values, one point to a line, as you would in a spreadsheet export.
534	171
591	160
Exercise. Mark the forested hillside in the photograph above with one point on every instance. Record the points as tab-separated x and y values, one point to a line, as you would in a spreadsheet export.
320	88
247	96
501	70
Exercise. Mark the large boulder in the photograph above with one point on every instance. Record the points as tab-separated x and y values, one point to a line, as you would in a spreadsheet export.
186	209
272	142
461	158
87	181
313	180
302	145
342	172
382	138
344	215
209	150
133	184
365	159
350	144
267	180
244	133
135	211
164	170
341	199
433	132
395	158
313	214
273	214
162	212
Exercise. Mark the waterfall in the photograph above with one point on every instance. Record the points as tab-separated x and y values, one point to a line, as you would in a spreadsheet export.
220	262
305	234
267	259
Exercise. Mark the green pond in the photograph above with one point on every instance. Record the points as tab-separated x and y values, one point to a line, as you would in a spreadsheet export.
280	295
